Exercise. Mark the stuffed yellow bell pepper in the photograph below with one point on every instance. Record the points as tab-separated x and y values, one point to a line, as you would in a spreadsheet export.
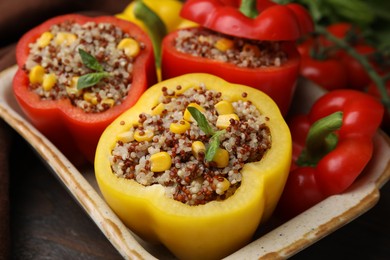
197	164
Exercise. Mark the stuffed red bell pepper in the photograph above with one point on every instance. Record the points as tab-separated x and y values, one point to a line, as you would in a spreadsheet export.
77	74
252	44
331	147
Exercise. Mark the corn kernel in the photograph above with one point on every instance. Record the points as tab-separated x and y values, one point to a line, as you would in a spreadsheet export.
143	135
157	110
126	137
222	186
223	121
252	48
204	39
72	89
197	148
224	107
44	39
49	80
65	38
221	158
130	46
160	162
224	44
73	83
187	115
90	97
36	74
108	101
179	127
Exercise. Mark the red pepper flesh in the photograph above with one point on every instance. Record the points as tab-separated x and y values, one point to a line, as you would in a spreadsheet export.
338	169
68	127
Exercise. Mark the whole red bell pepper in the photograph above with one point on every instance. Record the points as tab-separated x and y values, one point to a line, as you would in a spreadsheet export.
270	22
68	127
331	147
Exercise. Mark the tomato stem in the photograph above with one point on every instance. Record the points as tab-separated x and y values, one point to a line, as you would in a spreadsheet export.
155	26
363	60
249	8
320	52
321	139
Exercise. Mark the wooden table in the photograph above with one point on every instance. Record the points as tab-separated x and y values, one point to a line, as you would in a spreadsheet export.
46	223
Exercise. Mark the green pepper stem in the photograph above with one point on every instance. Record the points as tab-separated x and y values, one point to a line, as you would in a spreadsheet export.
248	8
321	139
155	26
363	60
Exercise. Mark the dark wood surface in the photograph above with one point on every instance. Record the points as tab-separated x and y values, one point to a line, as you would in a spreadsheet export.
46	223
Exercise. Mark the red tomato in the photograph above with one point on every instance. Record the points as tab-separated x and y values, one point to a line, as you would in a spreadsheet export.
350	33
356	73
329	74
373	90
304	48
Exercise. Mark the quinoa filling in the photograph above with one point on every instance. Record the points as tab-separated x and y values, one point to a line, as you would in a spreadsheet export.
201	42
168	147
54	64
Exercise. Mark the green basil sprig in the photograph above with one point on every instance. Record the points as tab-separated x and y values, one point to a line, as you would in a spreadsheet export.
93	78
201	120
207	129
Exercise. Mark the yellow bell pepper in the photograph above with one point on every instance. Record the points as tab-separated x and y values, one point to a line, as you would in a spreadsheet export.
217	228
167	10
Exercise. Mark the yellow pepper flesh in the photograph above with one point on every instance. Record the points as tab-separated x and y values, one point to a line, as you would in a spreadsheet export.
217	228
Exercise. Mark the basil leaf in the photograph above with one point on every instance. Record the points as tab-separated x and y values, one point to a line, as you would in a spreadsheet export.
201	120
154	25
213	145
90	79
90	61
206	128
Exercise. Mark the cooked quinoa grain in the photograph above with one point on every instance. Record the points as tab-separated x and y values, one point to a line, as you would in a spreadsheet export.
246	53
54	64
168	148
